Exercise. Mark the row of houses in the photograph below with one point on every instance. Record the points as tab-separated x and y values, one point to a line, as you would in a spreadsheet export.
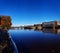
35	26
51	24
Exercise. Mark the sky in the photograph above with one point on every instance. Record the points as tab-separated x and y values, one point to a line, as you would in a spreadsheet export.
29	12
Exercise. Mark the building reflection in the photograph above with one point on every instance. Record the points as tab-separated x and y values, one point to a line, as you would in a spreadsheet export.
51	30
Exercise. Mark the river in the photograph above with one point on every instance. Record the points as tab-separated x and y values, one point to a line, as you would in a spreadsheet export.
36	41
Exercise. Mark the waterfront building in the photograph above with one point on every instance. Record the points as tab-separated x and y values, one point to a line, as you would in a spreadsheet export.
38	26
51	24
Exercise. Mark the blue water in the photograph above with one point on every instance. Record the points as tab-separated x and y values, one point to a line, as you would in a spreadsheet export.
30	41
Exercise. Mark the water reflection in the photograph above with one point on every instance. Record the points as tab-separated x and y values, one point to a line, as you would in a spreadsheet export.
36	41
50	30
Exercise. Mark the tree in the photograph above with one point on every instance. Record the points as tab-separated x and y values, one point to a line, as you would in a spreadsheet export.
6	22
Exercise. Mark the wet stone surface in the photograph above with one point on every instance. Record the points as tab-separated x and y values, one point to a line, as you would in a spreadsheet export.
5	42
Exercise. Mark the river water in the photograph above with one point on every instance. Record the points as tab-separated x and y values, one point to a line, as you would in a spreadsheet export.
37	41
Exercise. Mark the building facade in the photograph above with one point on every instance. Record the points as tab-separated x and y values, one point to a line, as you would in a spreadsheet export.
51	24
38	26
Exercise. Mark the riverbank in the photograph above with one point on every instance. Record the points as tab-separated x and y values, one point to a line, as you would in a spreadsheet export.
5	42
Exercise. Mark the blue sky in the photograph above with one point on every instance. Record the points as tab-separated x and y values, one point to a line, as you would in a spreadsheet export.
27	12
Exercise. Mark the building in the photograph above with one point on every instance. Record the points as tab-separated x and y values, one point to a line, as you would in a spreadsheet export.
38	26
51	24
29	27
5	21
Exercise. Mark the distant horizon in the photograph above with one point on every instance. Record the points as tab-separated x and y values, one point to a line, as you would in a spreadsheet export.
34	23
